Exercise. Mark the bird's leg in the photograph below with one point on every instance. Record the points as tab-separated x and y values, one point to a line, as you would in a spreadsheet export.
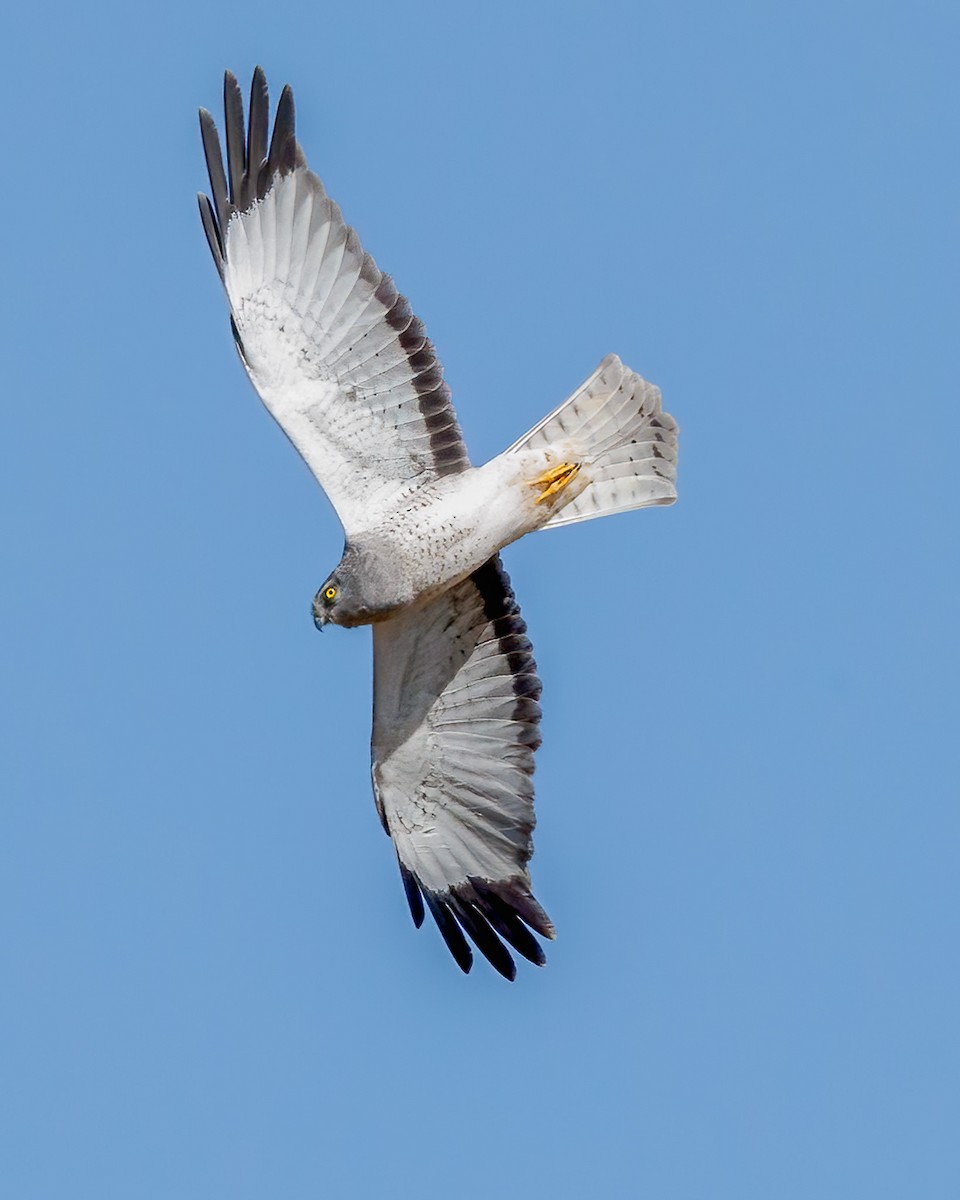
554	480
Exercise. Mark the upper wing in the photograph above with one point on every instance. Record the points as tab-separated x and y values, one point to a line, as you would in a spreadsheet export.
455	725
334	351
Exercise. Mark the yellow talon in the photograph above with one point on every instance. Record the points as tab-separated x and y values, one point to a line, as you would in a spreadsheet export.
555	480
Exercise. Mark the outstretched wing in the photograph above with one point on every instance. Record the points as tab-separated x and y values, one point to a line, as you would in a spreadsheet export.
455	726
334	351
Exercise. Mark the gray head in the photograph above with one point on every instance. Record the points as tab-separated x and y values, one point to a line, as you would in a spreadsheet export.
356	593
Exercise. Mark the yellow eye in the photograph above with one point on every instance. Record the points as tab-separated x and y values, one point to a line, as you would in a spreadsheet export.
330	593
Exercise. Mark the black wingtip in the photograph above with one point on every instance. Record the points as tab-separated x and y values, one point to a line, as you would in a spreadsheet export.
503	917
490	913
245	172
483	937
258	85
233	135
211	229
451	932
214	159
257	133
412	890
283	156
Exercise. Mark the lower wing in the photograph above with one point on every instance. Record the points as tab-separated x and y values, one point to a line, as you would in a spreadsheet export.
455	727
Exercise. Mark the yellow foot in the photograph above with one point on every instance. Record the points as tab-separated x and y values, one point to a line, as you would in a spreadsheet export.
553	481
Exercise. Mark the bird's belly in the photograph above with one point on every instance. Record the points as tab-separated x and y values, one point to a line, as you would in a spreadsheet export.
446	531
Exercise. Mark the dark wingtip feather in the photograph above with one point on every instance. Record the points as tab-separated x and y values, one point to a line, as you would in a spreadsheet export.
487	912
211	229
259	124
451	932
218	179
483	936
532	914
233	135
515	895
412	890
283	156
506	922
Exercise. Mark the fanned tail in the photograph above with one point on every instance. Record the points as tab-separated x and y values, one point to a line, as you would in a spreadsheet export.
627	442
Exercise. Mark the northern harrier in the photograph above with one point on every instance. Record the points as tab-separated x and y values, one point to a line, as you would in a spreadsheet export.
349	374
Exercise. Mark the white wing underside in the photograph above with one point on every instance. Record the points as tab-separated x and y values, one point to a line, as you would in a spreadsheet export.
333	350
455	727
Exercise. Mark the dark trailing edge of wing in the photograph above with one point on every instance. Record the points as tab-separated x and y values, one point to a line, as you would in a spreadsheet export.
447	446
491	910
501	609
250	169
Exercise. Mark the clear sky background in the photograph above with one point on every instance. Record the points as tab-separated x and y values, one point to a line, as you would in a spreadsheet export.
749	834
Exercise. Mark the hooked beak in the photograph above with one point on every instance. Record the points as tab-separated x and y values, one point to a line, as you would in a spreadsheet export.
320	617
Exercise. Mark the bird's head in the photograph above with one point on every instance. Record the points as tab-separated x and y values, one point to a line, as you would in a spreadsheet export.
352	594
339	602
325	607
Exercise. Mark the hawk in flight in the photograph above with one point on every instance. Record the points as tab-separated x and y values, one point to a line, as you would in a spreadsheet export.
350	376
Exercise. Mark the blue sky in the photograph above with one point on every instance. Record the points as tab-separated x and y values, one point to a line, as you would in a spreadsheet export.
748	831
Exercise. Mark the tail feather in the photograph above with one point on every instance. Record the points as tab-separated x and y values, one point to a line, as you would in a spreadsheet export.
616	423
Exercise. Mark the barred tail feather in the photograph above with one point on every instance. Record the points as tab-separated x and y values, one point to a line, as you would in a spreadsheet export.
628	443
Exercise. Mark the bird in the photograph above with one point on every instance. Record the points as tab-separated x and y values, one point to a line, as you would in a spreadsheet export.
348	372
